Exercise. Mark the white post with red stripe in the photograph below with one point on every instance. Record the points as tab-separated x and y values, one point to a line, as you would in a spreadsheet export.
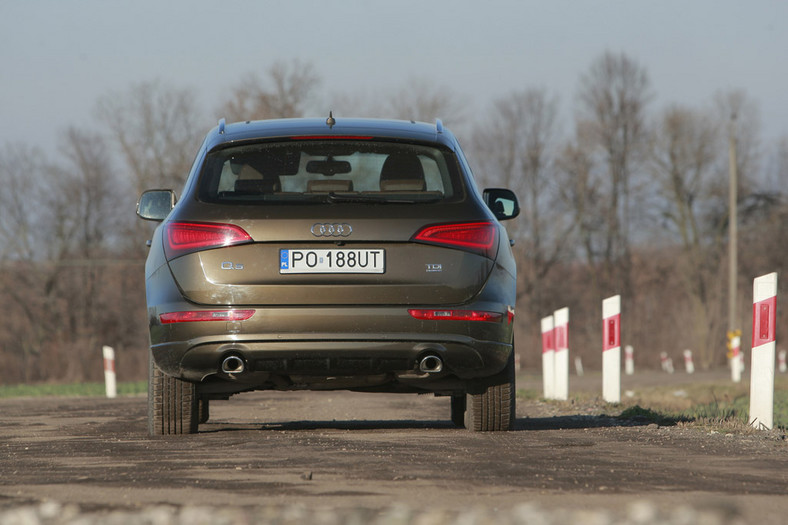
663	360
611	349
548	357
689	364
629	360
109	371
764	317
561	363
736	361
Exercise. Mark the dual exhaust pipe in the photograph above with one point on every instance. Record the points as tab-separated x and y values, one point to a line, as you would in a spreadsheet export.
234	364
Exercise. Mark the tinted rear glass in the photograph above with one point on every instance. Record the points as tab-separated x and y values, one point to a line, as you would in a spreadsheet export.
330	170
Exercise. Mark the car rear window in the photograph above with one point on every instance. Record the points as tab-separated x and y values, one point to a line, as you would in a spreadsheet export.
330	171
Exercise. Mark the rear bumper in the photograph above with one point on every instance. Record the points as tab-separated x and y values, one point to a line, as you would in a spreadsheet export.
463	358
295	344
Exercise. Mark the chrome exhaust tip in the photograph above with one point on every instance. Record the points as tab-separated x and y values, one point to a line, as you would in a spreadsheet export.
431	364
233	364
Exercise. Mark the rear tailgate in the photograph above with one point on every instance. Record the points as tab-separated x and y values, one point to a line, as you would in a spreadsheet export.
379	266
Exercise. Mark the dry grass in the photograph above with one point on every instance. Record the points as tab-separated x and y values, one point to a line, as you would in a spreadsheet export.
719	406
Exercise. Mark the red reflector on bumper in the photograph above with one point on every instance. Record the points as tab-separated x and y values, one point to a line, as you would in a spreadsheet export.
205	315
455	315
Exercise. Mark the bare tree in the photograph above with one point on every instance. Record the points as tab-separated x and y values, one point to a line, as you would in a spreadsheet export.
420	100
91	192
20	168
516	148
684	156
285	92
155	132
613	97
580	188
416	99
24	285
155	129
88	193
358	103
61	277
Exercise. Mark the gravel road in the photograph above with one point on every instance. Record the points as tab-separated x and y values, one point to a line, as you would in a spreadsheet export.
341	457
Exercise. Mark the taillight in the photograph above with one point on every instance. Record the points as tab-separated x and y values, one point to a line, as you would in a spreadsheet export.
455	315
181	238
205	315
476	237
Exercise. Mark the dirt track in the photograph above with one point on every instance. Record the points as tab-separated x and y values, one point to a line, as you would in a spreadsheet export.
347	450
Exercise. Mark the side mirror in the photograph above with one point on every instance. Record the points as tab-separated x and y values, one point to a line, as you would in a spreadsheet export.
155	205
502	202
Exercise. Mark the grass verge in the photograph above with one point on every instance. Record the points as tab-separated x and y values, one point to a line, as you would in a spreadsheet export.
708	405
716	406
71	390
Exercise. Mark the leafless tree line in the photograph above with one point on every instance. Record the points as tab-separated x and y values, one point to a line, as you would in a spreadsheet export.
625	199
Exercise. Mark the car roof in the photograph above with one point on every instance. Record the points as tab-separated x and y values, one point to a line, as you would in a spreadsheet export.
324	128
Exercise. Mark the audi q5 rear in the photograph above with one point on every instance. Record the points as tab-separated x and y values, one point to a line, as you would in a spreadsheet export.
330	254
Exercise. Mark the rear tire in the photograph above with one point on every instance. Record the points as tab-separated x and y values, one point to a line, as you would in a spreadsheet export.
493	407
172	404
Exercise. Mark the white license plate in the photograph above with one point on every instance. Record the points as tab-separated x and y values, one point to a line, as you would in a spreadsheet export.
332	261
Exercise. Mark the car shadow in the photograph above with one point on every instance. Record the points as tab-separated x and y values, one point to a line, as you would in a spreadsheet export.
219	426
577	422
521	424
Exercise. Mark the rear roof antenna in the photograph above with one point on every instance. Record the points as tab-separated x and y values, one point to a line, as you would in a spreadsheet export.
330	121
222	124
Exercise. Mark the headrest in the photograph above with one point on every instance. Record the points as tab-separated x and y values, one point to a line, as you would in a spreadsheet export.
402	166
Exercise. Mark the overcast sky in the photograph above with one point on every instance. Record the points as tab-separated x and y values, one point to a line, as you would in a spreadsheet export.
57	57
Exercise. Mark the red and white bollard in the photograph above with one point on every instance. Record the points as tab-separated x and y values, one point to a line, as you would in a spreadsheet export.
548	358
764	317
561	362
782	366
611	349
109	371
629	360
667	363
736	358
579	366
689	365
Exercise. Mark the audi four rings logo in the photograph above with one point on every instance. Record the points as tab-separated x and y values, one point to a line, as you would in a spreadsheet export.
331	230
